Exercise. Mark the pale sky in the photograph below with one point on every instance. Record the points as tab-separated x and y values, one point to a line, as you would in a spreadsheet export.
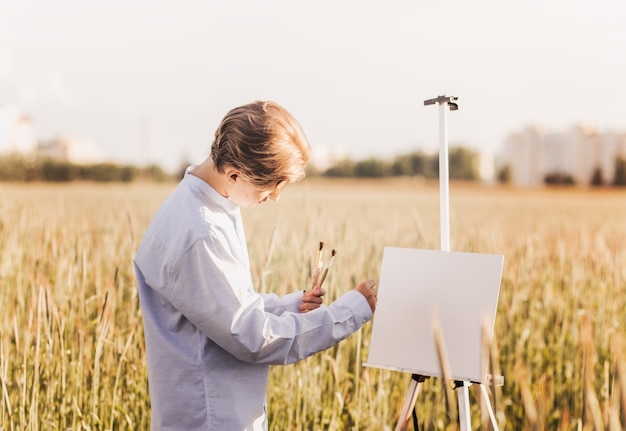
150	80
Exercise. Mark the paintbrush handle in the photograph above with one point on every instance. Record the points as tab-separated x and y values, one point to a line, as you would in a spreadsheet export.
323	277
316	274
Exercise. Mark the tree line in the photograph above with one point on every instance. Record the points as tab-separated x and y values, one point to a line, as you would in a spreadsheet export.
30	169
462	162
463	165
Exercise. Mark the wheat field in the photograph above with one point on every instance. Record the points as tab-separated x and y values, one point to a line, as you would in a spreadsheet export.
71	339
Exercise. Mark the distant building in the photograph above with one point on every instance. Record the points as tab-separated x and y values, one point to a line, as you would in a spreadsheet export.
17	132
486	167
324	157
70	149
534	153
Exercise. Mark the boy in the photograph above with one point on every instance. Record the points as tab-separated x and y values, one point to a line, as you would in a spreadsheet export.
210	338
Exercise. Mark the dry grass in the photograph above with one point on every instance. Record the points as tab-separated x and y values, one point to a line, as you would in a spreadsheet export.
71	340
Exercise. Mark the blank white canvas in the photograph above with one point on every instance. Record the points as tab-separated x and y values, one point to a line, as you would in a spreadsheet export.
459	289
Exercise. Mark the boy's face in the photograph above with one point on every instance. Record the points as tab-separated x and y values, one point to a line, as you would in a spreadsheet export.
247	195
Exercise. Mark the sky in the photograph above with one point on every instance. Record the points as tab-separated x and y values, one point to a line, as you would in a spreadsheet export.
149	80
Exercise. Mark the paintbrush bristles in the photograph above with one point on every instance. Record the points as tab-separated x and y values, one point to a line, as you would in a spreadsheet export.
332	257
318	261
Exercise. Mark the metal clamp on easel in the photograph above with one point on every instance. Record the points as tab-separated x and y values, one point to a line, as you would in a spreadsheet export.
450	100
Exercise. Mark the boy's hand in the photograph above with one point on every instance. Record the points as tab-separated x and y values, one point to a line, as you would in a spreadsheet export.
368	289
311	299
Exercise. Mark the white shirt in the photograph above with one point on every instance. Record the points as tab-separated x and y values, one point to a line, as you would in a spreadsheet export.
210	338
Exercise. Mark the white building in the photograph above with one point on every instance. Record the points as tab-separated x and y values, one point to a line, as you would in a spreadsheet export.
17	132
71	149
533	153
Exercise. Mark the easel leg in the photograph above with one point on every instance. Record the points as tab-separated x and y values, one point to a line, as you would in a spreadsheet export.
487	403
464	406
410	401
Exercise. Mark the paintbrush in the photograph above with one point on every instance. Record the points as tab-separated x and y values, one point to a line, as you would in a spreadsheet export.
318	263
330	262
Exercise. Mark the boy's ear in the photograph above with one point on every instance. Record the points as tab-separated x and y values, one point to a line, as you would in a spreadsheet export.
232	175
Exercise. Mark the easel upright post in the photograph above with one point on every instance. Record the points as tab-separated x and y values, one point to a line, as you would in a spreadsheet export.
444	184
444	181
444	213
444	209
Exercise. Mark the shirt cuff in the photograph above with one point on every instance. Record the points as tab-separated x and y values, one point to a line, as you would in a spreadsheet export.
361	309
293	300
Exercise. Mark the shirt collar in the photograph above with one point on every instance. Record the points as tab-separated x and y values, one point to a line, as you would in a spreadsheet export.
207	193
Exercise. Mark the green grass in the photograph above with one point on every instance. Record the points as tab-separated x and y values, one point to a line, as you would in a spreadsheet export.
71	338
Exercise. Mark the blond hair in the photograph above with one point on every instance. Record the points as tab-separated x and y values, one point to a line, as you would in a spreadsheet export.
264	142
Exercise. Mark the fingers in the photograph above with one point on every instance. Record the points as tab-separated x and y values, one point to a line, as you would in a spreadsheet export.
374	297
370	284
368	289
314	295
308	306
312	299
